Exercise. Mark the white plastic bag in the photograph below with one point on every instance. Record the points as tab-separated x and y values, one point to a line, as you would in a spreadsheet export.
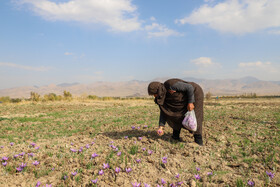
189	121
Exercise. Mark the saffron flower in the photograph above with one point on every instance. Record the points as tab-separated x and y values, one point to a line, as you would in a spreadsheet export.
146	185
150	152
162	181
128	170
177	176
65	177
4	163
94	181
38	184
30	154
138	160
125	137
133	127
12	143
117	170
15	156
251	183
270	175
179	183
143	149
73	150
33	144
23	165
5	158
92	143
48	185
197	177
136	184
145	126
2	147
87	146
72	143
105	166
38	147
21	154
94	155
74	173
119	153
209	173
138	127
197	169
140	138
36	163
19	169
101	172
164	160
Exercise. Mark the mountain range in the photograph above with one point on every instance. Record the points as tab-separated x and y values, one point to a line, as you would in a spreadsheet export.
136	88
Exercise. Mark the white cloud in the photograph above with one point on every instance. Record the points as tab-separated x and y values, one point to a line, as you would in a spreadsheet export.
203	61
119	15
158	30
262	70
237	16
68	53
277	32
18	66
152	18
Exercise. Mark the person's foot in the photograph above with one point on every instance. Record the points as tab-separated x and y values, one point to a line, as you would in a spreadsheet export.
198	139
176	138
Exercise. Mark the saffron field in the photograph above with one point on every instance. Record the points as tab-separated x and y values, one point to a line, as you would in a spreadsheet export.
114	143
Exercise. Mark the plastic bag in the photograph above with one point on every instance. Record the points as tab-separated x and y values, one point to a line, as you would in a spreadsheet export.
189	121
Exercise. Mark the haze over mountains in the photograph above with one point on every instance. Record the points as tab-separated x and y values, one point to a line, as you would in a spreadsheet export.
137	88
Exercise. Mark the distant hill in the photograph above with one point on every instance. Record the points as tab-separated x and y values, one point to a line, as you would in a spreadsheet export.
136	88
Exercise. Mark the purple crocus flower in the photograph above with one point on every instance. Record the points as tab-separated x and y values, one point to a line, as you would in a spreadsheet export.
87	146
197	177
117	170
38	184
15	156
128	170
38	147
125	137
94	155
80	150
94	181
138	160
48	185
138	127
12	143
74	173
5	158
251	183
162	181
2	147
133	127
150	152
73	150
65	177
19	169
143	149
179	183
36	163
33	144
146	185
105	166
136	184
23	165
145	126
101	172
140	138
160	185
4	163
92	143
72	143
270	174
177	176
209	173
119	153
30	154
21	154
197	169
164	160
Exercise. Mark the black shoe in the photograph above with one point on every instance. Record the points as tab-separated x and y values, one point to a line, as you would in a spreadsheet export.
176	138
198	139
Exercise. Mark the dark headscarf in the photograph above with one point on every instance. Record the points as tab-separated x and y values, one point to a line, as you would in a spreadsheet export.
159	89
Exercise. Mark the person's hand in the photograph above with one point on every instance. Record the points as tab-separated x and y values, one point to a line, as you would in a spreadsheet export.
160	131
190	107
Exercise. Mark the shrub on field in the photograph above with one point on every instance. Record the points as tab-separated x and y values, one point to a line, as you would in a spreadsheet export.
5	99
94	97
67	95
16	100
52	97
208	95
34	96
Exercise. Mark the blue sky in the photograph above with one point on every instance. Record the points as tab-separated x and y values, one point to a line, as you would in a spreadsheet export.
56	41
